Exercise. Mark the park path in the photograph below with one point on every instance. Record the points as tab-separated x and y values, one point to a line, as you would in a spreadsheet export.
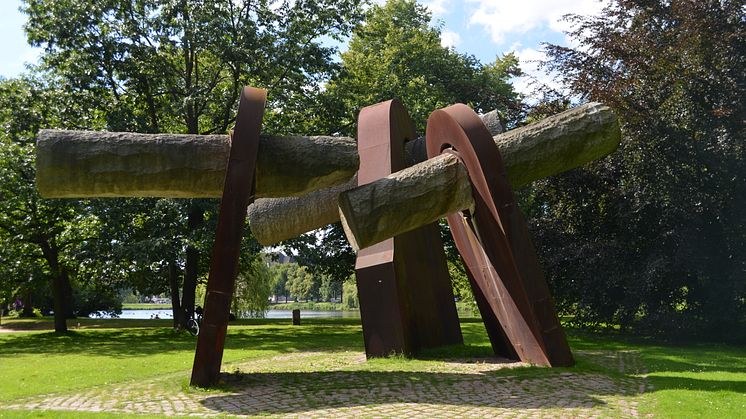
332	384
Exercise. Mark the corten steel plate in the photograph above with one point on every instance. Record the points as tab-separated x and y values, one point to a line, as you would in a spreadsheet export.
406	299
237	195
494	243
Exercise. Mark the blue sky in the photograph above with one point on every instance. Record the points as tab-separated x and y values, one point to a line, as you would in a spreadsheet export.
484	28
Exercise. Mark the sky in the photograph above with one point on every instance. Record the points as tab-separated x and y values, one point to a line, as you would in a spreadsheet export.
483	28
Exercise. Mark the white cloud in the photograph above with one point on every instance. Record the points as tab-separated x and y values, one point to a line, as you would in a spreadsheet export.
503	17
438	7
529	60
450	39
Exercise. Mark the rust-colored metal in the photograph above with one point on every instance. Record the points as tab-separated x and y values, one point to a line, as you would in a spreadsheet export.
494	243
406	299
237	195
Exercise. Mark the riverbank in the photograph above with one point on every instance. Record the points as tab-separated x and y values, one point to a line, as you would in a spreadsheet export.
146	306
311	306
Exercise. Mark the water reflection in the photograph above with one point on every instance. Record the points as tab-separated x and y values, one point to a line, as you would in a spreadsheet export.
271	314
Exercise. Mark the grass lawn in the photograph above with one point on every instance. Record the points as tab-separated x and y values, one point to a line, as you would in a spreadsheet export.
147	356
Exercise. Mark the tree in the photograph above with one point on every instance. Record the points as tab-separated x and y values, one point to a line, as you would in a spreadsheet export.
302	284
178	66
653	236
395	53
253	288
41	238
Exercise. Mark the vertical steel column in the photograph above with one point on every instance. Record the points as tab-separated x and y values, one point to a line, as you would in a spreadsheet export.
237	195
494	243
406	299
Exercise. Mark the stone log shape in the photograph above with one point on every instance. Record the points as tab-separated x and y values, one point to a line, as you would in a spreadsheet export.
88	164
81	164
273	220
554	145
430	190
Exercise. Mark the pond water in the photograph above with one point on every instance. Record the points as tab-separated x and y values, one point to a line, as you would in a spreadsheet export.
271	314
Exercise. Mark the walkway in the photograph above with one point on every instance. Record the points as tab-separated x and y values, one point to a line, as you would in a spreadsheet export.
331	384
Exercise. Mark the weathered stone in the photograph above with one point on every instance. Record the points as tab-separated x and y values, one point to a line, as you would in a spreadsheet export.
78	164
424	193
553	145
448	190
311	171
276	219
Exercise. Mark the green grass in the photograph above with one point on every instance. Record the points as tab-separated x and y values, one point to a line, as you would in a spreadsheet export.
690	380
696	380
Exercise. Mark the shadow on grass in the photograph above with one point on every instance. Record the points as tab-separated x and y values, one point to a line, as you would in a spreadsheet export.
695	384
297	392
149	341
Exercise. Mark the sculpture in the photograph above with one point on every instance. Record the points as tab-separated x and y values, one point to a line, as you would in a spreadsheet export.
307	182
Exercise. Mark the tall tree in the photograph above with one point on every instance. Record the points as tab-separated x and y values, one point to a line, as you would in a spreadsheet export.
395	53
654	235
41	238
178	66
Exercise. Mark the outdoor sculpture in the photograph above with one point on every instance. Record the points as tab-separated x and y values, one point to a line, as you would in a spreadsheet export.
308	181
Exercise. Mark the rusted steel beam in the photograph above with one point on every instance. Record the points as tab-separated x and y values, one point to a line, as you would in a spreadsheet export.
237	193
495	245
406	299
428	191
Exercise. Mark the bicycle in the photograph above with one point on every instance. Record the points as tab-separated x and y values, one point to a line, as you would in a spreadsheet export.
193	323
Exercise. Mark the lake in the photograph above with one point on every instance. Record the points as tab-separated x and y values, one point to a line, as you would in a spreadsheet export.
271	314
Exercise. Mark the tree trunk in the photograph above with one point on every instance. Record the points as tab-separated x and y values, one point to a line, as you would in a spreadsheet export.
173	278
28	306
67	296
60	284
61	289
195	220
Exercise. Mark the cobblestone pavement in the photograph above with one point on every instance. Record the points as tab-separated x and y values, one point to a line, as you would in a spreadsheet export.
333	384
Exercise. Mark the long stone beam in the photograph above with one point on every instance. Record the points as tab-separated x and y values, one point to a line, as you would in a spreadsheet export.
87	164
430	190
548	147
312	171
82	164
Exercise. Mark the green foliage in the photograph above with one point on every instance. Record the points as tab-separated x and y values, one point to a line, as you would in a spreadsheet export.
302	284
163	66
654	236
396	54
310	306
41	241
461	287
349	294
299	282
253	289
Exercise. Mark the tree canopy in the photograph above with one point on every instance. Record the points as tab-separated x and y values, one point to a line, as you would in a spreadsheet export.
395	53
652	237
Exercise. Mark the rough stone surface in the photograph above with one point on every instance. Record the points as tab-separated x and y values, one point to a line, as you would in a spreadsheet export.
276	219
310	170
331	384
559	143
79	164
108	164
417	195
556	144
